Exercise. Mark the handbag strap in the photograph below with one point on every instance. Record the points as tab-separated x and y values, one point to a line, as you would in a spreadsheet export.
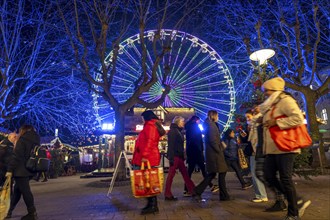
148	165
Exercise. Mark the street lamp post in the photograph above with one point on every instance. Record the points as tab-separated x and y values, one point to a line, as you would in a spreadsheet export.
261	56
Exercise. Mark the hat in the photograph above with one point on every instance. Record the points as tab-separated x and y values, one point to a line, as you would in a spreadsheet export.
148	115
275	84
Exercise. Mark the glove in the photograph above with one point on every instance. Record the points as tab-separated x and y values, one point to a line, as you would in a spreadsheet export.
9	174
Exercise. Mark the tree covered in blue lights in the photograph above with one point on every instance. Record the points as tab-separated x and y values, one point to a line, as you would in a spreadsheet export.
298	31
38	83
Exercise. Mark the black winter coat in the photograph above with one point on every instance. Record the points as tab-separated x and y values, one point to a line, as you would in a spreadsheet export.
6	151
214	157
194	142
175	141
22	152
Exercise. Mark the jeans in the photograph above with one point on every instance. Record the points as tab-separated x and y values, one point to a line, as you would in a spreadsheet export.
282	163
208	179
234	164
178	164
259	187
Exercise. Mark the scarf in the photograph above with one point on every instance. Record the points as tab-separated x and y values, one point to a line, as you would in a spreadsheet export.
267	104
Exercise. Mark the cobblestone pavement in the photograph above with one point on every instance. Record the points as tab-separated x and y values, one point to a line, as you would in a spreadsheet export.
72	198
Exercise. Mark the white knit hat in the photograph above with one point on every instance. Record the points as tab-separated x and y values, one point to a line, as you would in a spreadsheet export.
276	84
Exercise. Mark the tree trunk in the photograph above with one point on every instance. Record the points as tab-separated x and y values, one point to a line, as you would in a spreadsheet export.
319	158
119	143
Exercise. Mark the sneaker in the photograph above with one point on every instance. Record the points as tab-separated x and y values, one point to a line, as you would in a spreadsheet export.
186	194
279	205
247	186
198	198
302	206
289	217
214	188
260	200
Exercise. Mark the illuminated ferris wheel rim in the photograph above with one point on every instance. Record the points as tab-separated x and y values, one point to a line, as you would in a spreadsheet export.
196	42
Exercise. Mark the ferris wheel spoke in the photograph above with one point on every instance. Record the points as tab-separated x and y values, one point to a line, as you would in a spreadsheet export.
205	106
138	62
172	75
194	76
189	73
180	65
206	79
206	86
182	73
210	100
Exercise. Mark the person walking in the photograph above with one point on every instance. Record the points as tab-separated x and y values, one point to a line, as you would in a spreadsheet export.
214	158
231	156
279	103
27	139
6	152
258	185
195	151
176	156
146	149
257	165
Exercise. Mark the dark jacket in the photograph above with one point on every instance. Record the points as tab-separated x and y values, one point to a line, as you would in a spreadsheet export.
259	150
6	151
22	152
248	150
214	157
194	142
231	149
146	145
175	142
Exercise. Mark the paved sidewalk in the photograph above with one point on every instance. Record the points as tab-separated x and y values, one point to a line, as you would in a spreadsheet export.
73	198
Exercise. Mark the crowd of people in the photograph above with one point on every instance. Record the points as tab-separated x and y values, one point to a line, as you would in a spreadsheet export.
270	167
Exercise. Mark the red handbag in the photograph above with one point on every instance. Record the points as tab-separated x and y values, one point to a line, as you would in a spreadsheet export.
290	139
147	182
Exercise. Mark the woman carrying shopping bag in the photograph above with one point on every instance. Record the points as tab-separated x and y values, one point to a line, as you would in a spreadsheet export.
146	149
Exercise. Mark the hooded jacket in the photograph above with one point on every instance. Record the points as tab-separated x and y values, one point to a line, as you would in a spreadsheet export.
22	152
146	145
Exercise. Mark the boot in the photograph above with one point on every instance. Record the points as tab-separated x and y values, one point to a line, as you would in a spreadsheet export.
149	201
153	207
32	214
278	206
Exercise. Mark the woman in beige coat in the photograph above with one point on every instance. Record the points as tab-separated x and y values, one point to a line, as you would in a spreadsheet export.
279	103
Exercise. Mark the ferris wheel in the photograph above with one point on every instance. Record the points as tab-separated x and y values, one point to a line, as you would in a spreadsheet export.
198	76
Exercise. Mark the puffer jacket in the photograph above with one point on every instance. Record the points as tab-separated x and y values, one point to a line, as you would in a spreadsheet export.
231	151
283	105
22	152
146	145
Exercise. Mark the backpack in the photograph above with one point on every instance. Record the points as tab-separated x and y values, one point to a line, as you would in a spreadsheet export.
38	161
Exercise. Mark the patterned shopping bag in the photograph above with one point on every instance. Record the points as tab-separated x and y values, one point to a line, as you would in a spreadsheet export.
147	182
